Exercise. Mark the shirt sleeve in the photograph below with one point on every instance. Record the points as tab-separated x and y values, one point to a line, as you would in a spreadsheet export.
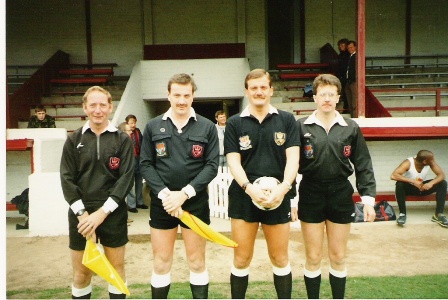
362	162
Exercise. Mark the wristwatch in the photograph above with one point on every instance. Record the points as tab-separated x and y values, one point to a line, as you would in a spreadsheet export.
244	186
80	212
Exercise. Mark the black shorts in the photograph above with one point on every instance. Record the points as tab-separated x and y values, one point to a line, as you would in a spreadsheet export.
320	201
113	232
241	207
197	206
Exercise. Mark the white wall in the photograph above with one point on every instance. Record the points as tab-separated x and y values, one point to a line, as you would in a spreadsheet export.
48	209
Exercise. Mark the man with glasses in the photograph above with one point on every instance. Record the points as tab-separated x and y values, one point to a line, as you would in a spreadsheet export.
331	144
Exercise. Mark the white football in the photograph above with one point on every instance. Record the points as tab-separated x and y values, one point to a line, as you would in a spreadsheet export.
266	184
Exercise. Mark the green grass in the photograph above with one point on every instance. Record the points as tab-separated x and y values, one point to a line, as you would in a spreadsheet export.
415	287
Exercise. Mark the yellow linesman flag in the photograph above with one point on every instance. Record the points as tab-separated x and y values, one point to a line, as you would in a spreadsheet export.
95	259
206	231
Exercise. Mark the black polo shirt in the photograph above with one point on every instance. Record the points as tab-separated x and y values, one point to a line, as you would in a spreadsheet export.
335	155
262	146
173	160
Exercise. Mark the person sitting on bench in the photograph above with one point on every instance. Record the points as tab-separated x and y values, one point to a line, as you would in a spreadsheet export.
41	119
410	176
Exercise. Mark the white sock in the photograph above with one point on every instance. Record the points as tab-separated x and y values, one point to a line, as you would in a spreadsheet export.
311	274
113	290
159	281
239	272
81	292
199	278
339	274
282	271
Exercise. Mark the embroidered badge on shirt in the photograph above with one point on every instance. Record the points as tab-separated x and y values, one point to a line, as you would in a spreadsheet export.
114	163
347	150
197	151
245	142
279	138
161	149
308	149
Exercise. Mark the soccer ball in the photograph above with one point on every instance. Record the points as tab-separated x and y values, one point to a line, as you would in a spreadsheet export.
266	184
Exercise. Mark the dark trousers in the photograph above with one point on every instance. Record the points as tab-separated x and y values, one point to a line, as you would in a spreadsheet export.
403	189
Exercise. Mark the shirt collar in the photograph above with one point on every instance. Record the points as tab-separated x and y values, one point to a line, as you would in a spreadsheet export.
314	120
246	113
109	127
169	114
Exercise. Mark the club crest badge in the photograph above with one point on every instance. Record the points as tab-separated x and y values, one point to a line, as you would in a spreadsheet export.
197	151
308	150
347	150
245	142
279	138
161	149
114	163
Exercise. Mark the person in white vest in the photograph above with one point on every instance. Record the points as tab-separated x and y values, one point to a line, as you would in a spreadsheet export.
411	180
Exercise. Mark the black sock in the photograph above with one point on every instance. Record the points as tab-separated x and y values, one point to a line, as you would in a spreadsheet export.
337	286
283	286
312	286
117	296
86	296
238	286
199	291
160	292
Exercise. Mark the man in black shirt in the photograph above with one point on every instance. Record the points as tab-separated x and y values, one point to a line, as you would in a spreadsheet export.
97	168
178	159
333	147
261	141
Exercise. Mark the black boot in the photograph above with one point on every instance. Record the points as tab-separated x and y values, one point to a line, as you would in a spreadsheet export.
117	296
283	286
337	286
199	291
312	286
160	293
238	286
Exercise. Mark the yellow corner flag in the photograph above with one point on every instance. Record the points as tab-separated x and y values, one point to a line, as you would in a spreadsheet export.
95	260
206	231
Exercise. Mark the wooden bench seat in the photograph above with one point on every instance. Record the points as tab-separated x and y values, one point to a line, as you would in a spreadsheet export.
87	72
406	84
82	117
293	87
292	76
392	75
82	80
10	206
390	197
301	99
63	104
305	66
299	111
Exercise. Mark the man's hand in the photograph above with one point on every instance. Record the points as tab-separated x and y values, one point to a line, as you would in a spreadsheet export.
369	213
89	223
174	201
294	214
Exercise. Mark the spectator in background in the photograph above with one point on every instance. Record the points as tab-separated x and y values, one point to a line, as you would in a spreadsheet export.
124	127
96	174
411	180
341	72
135	197
221	120
351	90
41	119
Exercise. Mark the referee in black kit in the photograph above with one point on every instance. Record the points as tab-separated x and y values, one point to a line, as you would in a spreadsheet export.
261	142
333	147
178	159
